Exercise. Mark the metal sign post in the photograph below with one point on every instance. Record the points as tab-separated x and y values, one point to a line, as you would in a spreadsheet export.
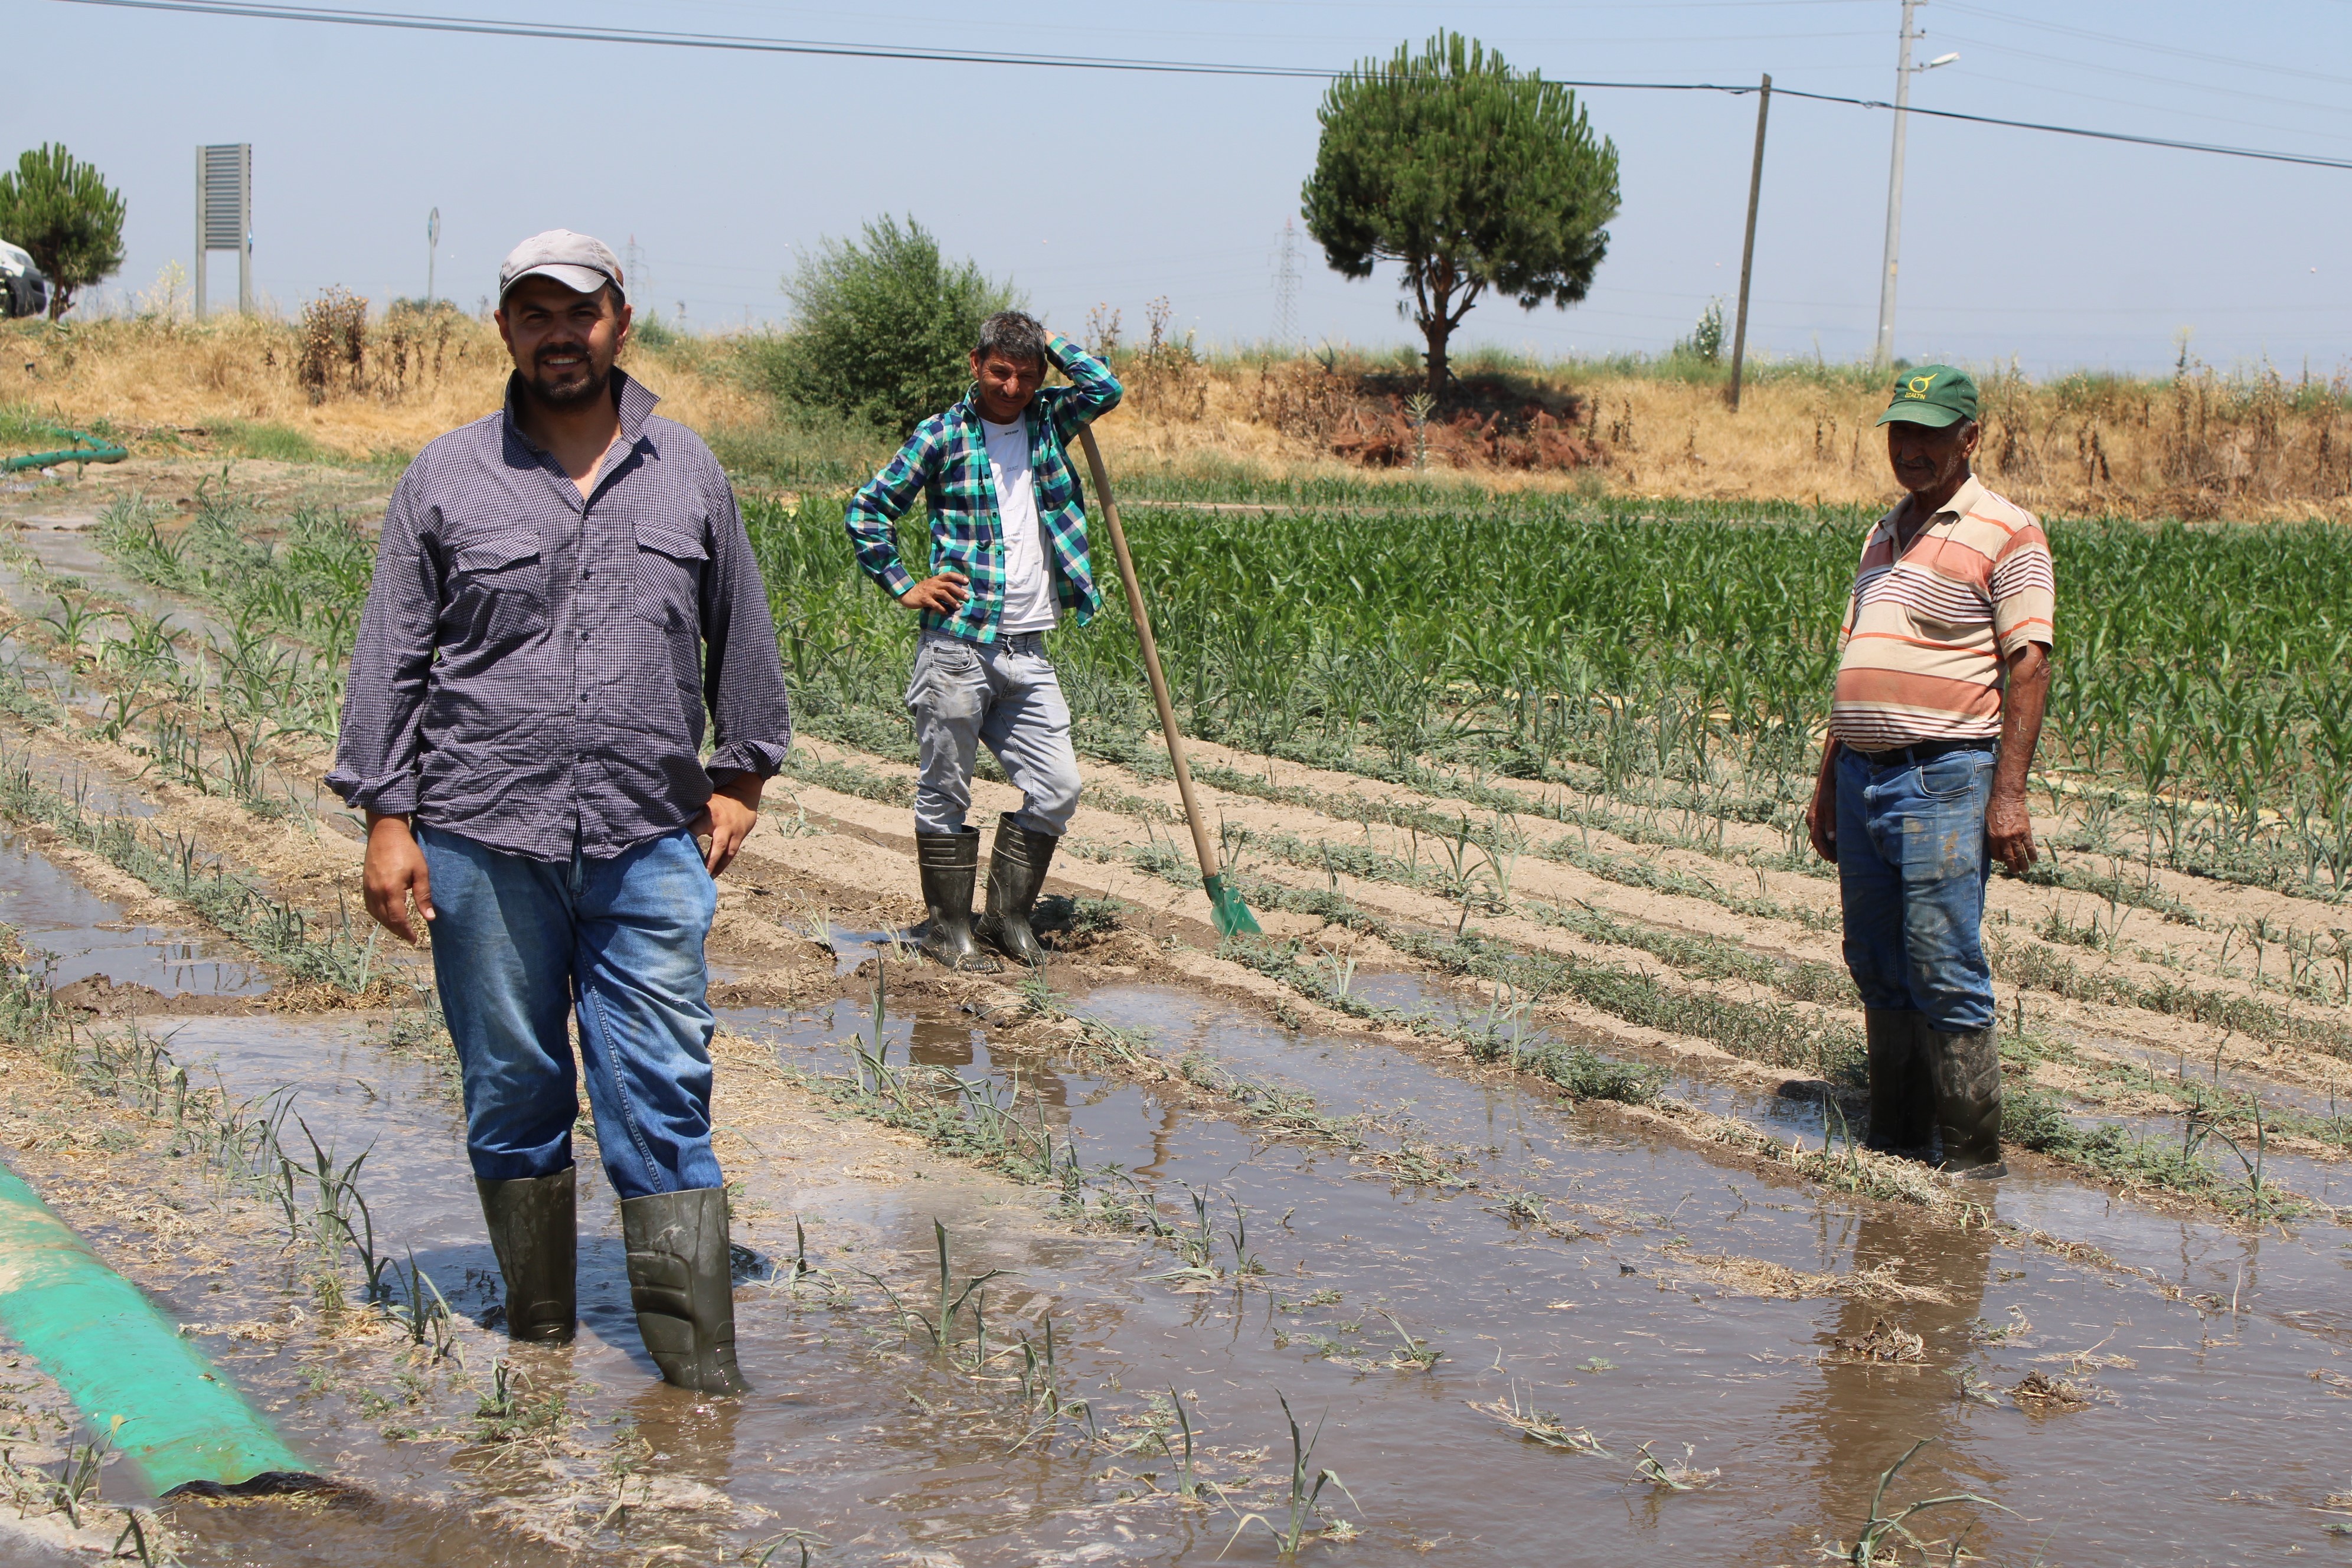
225	215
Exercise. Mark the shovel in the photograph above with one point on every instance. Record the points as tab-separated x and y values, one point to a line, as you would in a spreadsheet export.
1232	916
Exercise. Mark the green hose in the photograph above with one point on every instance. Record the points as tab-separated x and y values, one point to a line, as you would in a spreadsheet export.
86	448
118	1359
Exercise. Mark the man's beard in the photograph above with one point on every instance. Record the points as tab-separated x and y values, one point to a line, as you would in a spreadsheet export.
591	383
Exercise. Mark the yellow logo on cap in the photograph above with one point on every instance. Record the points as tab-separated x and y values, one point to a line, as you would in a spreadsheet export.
1915	389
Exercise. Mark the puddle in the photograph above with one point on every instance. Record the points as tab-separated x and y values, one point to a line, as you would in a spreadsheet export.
83	936
1614	1334
74	552
1802	1115
1613	1323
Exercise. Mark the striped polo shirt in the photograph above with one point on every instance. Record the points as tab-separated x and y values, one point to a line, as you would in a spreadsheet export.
1923	654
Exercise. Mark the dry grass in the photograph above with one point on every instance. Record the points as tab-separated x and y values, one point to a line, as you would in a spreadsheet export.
158	378
2197	444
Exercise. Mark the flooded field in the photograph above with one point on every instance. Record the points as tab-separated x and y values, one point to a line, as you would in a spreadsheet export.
1501	1224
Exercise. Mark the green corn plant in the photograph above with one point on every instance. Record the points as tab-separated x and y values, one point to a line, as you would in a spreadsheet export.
1307	1484
1245	1262
1881	1524
936	1327
1412	1354
1189	1484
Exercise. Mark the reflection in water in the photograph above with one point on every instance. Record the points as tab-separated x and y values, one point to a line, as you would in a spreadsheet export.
1865	1413
942	1042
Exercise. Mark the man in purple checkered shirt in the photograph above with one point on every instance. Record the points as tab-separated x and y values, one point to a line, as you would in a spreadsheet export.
563	591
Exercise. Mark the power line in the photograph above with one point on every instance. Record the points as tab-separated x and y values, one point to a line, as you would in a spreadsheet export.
406	21
2203	57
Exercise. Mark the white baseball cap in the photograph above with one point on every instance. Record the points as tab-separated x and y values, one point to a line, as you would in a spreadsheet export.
579	262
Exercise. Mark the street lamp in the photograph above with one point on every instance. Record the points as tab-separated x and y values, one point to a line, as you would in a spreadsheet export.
1904	71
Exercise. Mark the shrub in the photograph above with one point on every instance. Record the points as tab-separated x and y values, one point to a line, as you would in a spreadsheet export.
333	338
882	327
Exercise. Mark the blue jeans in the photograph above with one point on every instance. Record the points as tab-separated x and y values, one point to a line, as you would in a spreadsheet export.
1003	694
1912	864
516	943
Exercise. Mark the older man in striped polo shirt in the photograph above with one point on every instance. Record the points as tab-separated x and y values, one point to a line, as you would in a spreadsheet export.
1943	672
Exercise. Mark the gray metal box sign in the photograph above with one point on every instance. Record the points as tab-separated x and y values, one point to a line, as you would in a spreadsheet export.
224	213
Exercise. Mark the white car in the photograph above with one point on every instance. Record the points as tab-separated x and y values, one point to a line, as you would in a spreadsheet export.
23	290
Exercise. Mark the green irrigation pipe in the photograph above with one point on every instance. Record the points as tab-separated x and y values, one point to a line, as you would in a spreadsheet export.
86	448
118	1359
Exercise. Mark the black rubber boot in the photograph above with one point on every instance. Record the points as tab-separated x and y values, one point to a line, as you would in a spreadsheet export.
535	1234
1016	871
1966	1070
682	1287
1902	1094
950	865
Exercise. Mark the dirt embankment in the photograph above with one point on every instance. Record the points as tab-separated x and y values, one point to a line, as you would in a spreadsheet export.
2195	445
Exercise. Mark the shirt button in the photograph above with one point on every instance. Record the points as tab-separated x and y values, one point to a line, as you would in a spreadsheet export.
584	637
585	574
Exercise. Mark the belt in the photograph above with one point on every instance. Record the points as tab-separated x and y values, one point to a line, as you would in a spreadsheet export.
1923	751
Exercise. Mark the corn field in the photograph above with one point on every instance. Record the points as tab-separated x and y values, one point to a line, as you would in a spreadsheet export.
2200	705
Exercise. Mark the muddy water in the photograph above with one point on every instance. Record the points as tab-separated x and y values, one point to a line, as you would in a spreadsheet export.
80	935
1606	1317
833	1443
1613	1332
66	547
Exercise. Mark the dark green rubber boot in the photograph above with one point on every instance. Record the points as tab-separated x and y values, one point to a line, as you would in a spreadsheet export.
1966	1070
950	866
1901	1093
682	1287
1016	872
535	1235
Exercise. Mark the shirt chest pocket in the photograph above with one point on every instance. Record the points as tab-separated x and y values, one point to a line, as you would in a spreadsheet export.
497	588
668	589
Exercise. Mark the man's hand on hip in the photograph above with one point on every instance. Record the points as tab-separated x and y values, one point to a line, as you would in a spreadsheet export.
2009	832
396	870
728	819
943	594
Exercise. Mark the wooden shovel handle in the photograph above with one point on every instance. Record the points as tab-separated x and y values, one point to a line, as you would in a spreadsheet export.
1203	844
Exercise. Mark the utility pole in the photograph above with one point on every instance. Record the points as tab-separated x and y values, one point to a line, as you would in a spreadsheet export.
1748	249
634	281
1904	71
431	249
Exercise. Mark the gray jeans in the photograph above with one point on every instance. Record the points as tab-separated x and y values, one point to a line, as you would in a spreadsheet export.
1004	694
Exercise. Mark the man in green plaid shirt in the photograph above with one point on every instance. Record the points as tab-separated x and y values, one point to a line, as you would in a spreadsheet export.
1008	557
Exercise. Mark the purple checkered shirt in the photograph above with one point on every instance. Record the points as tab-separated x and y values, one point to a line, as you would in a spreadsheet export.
532	670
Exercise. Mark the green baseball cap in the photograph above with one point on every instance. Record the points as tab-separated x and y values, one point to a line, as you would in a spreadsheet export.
1933	395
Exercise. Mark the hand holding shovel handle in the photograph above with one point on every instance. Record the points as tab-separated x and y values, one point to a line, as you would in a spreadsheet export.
1232	916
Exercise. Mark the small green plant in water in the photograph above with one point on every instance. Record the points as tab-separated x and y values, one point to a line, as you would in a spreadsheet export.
1882	1524
1307	1484
938	1327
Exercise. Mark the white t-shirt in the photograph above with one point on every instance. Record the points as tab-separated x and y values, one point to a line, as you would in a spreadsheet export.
1029	605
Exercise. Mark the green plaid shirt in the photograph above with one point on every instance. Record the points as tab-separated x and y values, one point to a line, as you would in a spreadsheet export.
945	461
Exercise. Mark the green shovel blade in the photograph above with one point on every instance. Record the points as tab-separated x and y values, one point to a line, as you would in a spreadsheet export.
1232	916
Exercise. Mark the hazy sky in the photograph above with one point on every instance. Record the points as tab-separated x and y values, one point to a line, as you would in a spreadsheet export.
1089	186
